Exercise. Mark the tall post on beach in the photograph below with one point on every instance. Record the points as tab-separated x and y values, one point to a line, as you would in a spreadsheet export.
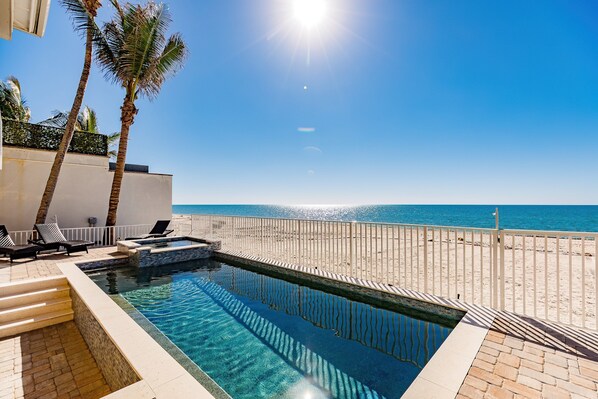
495	214
495	244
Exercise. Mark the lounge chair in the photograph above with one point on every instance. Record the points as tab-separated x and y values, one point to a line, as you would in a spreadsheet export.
52	238
159	230
8	247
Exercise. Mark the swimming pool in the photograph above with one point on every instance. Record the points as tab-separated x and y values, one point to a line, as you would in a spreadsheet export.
261	337
171	244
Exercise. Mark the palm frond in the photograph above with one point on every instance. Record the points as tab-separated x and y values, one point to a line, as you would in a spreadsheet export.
82	14
13	80
136	53
113	138
118	8
58	119
108	50
91	120
12	104
147	39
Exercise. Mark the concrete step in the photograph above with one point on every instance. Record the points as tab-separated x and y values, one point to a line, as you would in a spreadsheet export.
38	284
35	309
31	298
34	323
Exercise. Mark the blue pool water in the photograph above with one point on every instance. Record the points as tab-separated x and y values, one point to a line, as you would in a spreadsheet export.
172	244
530	217
262	337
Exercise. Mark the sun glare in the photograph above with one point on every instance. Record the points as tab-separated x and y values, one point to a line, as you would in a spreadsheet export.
309	13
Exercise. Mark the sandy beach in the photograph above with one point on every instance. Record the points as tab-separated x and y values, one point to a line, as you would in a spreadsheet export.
461	263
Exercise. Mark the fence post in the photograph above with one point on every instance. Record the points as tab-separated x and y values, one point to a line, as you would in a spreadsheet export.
261	236
191	230
502	270
495	243
426	259
232	233
351	245
299	252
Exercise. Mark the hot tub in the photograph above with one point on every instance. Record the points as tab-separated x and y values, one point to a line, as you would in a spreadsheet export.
160	251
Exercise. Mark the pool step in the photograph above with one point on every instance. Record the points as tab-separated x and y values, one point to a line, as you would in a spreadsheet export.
33	297
34	323
30	285
35	309
31	304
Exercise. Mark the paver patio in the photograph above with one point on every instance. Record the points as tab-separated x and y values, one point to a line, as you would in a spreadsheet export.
46	263
525	358
52	362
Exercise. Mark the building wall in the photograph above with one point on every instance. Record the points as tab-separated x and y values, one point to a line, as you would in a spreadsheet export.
82	191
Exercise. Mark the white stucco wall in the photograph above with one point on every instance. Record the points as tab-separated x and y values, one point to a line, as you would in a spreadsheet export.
82	191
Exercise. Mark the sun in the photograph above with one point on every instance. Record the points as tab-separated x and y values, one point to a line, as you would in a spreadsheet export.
309	13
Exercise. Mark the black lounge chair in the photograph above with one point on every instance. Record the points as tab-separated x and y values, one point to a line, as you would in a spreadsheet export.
159	230
52	238
8	247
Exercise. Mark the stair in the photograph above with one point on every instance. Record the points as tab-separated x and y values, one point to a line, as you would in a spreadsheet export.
31	304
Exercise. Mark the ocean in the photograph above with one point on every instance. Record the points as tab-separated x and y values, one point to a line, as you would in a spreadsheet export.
529	217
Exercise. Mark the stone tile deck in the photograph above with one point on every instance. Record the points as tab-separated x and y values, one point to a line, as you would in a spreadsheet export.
53	362
46	263
525	358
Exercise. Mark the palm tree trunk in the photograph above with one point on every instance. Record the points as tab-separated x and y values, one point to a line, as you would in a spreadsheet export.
128	112
68	134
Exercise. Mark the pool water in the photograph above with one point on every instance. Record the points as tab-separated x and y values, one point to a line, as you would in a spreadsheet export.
171	244
261	337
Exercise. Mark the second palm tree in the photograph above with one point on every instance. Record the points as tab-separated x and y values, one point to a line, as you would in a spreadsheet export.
136	54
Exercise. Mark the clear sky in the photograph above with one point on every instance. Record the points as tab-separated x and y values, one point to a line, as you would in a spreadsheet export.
384	101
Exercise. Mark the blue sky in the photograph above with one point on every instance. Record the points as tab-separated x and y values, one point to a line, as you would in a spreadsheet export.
411	101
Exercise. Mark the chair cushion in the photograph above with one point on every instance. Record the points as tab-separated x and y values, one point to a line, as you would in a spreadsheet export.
5	240
50	233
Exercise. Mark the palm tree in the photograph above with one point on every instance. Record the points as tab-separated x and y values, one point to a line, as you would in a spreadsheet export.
82	13
12	105
136	54
87	121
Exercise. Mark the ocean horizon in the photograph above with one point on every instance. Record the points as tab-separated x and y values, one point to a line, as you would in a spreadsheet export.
580	218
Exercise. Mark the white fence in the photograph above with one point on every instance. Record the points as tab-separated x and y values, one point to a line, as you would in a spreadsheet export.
101	236
548	275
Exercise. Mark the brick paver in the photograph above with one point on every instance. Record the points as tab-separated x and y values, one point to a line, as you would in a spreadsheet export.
512	363
53	362
46	265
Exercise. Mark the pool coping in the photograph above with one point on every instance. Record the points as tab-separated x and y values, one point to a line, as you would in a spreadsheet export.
441	378
141	351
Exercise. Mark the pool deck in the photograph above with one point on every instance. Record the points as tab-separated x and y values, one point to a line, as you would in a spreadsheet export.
52	362
517	357
46	264
524	358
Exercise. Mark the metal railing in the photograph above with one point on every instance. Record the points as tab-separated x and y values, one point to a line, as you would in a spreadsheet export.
547	275
101	236
550	275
